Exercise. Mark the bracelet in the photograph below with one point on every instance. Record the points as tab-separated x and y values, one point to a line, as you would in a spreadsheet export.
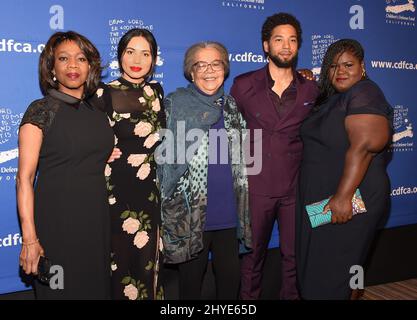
30	243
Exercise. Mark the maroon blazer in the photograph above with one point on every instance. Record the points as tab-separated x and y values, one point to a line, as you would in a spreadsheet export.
281	143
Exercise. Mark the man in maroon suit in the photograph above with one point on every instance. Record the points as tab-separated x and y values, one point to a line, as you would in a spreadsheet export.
275	99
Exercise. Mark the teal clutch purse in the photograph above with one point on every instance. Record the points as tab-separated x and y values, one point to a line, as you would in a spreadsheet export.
315	210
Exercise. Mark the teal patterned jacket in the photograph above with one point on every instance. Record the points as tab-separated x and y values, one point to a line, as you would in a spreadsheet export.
183	196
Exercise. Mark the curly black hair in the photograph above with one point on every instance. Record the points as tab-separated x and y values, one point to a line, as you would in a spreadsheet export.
278	19
335	49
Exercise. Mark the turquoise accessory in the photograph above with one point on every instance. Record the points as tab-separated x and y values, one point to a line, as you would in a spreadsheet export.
318	218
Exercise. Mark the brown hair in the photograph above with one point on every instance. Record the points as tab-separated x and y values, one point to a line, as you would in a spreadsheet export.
47	61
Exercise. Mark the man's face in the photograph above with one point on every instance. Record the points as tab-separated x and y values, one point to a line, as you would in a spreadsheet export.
282	47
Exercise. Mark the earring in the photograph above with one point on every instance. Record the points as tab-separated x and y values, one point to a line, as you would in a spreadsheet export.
363	73
54	78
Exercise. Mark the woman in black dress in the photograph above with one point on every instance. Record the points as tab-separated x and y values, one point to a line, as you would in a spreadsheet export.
65	217
345	141
135	111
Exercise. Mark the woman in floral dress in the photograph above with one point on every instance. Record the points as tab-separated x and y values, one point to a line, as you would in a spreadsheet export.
136	114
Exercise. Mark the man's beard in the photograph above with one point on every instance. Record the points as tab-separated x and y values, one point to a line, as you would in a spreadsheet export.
283	64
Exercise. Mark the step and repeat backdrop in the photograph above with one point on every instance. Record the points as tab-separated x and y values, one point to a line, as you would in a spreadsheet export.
386	28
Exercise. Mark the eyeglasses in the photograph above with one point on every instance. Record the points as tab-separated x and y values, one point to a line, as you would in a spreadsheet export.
202	66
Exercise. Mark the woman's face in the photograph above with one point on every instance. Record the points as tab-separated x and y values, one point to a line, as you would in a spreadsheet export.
345	71
71	68
136	60
208	70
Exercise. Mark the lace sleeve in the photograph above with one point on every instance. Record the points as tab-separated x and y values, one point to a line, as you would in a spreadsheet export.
39	115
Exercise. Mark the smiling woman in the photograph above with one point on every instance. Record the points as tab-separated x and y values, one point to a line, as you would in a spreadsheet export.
208	71
345	148
67	142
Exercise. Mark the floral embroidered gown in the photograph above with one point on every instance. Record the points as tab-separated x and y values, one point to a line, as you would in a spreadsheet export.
135	112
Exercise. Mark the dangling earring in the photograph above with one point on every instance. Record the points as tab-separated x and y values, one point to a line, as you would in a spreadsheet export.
363	73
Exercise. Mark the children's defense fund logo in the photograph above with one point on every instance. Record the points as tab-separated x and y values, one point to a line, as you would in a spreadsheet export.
244	4
402	139
400	12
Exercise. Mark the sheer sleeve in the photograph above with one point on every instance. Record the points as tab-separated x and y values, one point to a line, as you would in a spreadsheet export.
39	114
366	97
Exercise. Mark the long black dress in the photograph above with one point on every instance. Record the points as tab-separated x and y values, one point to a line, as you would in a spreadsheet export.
71	209
136	114
325	254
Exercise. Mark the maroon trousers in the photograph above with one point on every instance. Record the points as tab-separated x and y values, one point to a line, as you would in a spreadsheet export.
264	211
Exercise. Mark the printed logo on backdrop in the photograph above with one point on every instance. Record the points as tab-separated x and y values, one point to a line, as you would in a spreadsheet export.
9	126
319	45
118	27
400	12
56	22
12	45
244	4
402	139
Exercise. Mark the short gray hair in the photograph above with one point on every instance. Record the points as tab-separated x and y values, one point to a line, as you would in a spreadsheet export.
189	58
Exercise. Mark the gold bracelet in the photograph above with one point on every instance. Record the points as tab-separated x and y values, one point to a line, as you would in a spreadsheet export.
30	243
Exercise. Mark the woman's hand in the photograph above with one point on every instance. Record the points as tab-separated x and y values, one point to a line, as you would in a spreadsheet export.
114	155
341	208
29	257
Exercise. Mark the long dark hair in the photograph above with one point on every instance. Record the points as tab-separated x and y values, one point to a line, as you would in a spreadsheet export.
47	61
124	41
336	48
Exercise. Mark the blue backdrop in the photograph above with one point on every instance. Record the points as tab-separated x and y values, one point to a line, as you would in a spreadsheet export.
386	28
